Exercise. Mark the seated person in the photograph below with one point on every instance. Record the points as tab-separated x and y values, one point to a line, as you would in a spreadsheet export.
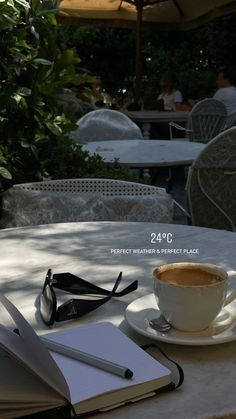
173	98
101	98
226	93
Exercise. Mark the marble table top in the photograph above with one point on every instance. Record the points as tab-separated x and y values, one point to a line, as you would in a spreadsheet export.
98	251
146	153
157	116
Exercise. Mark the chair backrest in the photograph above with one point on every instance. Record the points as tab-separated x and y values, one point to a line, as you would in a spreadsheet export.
230	120
211	187
106	124
106	187
69	200
206	120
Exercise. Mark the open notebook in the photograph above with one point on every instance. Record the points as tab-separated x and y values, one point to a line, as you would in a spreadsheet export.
33	380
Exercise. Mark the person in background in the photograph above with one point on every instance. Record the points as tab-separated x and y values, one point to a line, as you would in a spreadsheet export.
226	93
101	99
172	98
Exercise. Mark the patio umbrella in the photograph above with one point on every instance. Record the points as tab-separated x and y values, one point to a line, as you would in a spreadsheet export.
162	14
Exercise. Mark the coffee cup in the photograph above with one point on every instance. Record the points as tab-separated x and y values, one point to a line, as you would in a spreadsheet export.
191	295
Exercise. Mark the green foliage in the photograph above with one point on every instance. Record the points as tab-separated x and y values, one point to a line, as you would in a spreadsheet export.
37	77
182	54
107	52
33	74
193	56
71	161
3	170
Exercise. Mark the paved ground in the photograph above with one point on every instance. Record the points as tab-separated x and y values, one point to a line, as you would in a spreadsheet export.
178	191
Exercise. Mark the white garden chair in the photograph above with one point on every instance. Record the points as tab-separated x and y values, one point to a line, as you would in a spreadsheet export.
230	120
206	120
211	187
69	200
106	124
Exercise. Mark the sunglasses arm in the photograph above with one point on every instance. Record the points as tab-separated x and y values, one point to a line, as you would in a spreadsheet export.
126	290
76	285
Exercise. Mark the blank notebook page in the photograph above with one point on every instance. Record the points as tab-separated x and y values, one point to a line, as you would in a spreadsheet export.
106	341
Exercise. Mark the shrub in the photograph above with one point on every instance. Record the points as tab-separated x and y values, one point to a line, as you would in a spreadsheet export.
36	77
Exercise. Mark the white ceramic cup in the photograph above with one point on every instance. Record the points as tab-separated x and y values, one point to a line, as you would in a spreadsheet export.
191	295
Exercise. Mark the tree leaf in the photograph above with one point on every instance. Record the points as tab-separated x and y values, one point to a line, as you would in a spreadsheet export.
24	91
25	143
5	173
42	61
54	128
23	3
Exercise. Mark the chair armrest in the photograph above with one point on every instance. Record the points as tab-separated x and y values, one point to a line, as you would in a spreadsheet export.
181	208
177	126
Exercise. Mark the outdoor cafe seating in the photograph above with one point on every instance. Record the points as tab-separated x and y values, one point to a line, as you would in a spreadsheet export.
99	249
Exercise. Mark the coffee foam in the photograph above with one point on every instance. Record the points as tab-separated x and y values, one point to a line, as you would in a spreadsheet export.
188	276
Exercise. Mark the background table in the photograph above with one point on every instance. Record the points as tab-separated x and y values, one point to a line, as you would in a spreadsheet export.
146	118
85	249
146	153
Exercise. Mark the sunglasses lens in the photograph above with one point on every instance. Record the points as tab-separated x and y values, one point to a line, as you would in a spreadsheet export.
48	305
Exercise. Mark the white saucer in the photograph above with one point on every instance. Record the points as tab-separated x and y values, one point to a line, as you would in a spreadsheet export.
141	311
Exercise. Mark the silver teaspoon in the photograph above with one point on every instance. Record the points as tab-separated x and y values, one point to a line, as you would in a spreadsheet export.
160	324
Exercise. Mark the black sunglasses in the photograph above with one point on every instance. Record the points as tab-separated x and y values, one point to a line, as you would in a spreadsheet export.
74	308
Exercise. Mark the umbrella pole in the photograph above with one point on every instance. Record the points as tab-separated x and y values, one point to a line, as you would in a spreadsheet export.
138	63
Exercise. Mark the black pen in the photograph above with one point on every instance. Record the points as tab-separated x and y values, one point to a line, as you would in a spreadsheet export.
89	359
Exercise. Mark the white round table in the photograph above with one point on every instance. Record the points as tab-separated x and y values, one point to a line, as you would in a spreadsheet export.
98	252
146	118
146	153
158	116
